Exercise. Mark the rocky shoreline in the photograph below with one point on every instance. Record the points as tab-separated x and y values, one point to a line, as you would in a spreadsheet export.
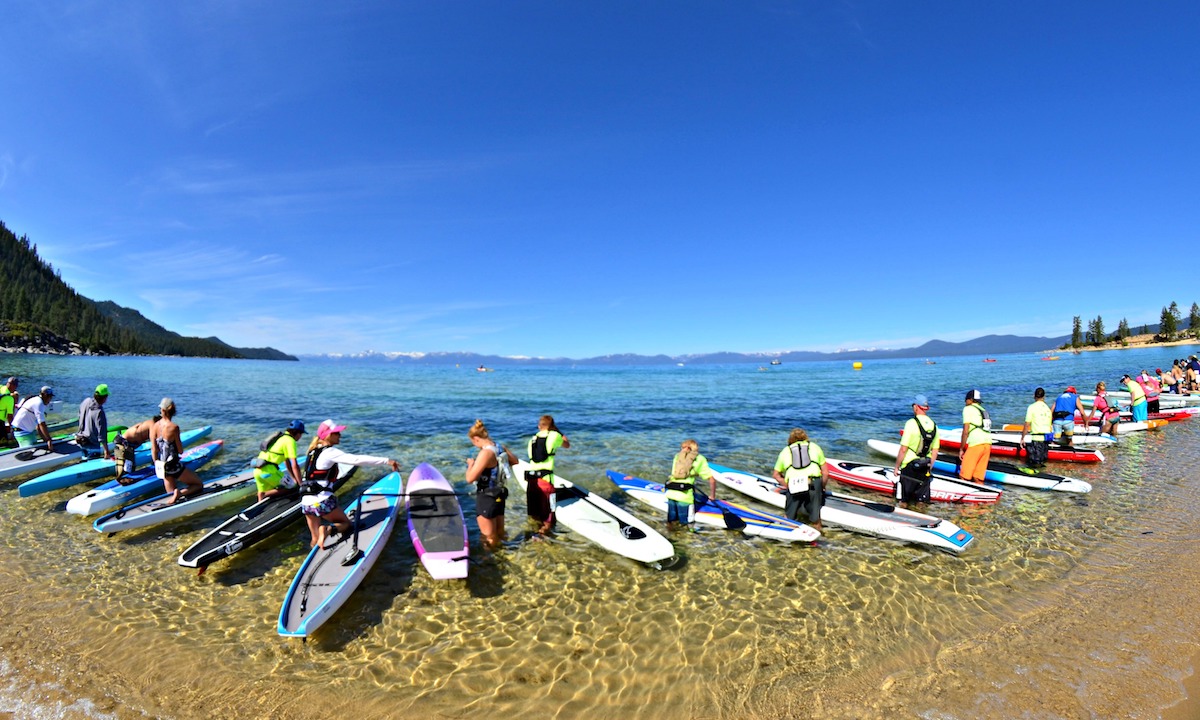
38	342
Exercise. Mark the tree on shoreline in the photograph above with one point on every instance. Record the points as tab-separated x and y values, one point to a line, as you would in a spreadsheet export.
1194	320
1168	324
1095	332
1076	333
1122	333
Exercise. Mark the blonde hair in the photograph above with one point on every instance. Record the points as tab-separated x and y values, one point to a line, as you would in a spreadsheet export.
681	467
546	422
1100	386
478	430
797	435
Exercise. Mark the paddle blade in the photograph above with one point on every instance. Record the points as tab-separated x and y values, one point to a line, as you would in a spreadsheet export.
632	533
733	522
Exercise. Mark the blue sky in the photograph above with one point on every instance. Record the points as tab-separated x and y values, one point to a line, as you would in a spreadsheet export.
577	179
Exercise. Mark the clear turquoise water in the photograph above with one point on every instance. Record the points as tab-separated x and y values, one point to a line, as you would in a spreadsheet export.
561	628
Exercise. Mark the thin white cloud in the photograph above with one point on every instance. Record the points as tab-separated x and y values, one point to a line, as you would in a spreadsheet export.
426	327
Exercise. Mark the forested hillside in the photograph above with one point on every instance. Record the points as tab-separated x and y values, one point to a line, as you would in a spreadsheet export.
38	309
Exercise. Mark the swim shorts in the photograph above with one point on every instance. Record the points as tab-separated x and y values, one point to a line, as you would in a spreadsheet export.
488	506
681	512
320	504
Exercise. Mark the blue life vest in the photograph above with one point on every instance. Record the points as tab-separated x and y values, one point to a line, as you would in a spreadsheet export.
1064	406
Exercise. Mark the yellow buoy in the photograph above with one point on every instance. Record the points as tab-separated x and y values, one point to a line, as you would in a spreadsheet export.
858	366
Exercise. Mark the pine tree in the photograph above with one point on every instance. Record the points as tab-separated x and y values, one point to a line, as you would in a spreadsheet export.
1076	333
1167	326
1097	331
1194	320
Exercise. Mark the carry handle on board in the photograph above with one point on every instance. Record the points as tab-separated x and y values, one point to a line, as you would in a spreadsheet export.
628	531
355	553
27	455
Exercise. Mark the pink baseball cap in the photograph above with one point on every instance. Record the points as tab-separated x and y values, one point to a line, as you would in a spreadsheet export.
327	428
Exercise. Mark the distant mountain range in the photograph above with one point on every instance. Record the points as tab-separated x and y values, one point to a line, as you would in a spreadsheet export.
987	345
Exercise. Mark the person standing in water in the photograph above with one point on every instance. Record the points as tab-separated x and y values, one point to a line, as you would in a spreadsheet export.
975	446
8	407
1137	399
1039	425
919	444
1110	411
92	435
687	467
801	472
539	473
1062	417
487	471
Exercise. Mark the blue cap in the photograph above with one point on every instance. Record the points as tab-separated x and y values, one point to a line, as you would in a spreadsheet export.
47	390
296	425
921	401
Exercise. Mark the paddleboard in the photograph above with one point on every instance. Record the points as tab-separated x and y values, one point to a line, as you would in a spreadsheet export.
1091	440
1165	400
856	514
36	459
942	488
1123	428
140	482
720	513
997	472
950	440
436	524
331	573
98	467
257	522
160	509
604	523
57	435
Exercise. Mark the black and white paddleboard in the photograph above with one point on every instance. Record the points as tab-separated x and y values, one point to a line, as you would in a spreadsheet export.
255	523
